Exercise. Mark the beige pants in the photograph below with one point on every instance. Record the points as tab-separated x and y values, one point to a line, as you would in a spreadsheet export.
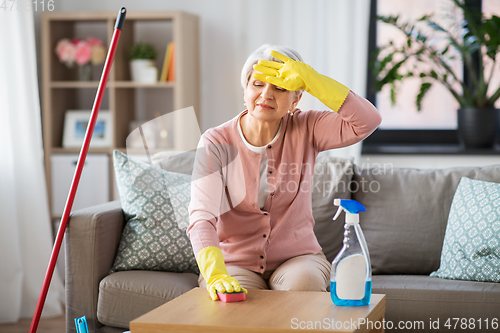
310	272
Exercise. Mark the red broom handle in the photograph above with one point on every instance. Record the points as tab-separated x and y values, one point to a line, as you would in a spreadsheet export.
79	167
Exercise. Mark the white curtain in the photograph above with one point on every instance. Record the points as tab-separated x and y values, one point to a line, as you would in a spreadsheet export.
331	35
25	232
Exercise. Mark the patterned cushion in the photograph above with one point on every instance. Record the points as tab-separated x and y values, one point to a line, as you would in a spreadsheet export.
155	203
471	248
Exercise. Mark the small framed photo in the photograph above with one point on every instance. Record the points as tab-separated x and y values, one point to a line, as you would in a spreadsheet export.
75	127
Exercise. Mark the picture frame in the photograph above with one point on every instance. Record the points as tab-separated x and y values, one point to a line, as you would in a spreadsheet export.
75	127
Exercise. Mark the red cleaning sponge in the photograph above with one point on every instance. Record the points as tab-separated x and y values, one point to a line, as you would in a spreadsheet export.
231	297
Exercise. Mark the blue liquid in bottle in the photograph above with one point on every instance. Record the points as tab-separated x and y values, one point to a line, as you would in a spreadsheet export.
351	268
349	302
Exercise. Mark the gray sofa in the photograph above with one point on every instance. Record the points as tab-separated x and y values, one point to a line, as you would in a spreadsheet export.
404	225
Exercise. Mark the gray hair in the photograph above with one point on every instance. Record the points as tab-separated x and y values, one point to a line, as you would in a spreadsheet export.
264	53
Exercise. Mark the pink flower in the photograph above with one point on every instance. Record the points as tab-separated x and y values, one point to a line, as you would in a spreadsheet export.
66	52
94	41
80	50
61	44
83	52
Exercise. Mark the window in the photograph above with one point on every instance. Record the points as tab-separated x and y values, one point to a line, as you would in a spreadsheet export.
436	123
492	7
438	107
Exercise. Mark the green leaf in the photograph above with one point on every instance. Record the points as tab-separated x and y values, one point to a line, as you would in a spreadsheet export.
445	49
424	88
393	94
491	28
392	75
494	97
436	26
142	51
386	60
424	18
388	19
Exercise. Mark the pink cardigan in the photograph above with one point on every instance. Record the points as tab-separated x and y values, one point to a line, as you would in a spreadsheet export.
224	211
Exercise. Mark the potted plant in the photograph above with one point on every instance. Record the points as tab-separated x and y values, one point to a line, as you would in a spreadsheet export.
142	68
470	37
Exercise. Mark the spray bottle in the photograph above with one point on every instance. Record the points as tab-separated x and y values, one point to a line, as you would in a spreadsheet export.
351	277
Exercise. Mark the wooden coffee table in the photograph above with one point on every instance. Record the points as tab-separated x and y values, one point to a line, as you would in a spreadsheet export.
263	311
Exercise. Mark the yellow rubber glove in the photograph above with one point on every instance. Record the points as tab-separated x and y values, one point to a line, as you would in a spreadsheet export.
296	75
213	269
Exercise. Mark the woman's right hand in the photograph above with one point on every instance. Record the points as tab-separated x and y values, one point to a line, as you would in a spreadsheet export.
212	268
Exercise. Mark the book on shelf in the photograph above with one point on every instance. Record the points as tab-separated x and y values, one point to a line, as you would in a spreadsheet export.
171	65
167	63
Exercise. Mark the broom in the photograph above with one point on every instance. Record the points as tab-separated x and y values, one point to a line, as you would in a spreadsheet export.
79	167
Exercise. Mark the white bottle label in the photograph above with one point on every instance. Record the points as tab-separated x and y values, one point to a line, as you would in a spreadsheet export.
350	278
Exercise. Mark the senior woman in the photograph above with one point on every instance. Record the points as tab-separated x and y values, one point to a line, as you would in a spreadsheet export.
251	223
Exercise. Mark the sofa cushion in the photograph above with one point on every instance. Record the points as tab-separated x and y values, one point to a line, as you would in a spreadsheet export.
422	298
124	296
332	176
471	248
406	213
155	203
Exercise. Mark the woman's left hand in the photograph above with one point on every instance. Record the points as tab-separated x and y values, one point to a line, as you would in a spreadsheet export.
296	75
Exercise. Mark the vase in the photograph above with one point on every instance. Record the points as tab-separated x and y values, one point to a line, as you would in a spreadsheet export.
477	127
143	71
84	72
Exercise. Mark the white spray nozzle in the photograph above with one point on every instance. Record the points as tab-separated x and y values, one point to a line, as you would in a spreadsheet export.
351	207
337	202
338	210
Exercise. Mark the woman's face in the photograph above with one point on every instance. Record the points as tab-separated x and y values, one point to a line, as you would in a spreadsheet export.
268	102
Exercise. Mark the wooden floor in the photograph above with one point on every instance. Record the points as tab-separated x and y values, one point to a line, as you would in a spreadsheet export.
49	325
